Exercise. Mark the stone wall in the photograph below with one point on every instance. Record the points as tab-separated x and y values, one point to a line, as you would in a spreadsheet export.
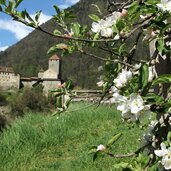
9	81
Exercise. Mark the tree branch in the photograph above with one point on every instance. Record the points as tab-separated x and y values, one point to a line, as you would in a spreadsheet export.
121	155
104	59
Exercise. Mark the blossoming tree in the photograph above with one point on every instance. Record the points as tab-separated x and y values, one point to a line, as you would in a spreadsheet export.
128	83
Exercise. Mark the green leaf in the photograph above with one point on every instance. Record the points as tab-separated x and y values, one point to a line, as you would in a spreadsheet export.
94	17
62	46
1	8
28	16
9	8
3	2
114	139
57	9
154	98
17	3
122	165
166	78
121	48
93	150
160	45
37	15
76	29
56	32
144	72
23	14
55	48
169	137
52	50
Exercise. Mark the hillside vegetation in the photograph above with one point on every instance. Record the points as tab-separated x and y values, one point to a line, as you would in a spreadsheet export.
29	55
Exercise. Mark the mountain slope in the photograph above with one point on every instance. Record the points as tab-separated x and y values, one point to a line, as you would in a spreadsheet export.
29	55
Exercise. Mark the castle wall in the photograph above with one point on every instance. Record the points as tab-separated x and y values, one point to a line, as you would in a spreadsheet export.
9	81
54	65
49	85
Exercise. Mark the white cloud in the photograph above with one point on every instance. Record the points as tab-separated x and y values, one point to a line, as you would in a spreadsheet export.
18	29
68	3
2	48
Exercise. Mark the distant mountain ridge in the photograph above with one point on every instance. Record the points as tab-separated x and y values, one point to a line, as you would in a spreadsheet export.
29	55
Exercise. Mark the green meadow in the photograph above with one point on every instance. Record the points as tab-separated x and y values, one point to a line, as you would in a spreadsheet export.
39	142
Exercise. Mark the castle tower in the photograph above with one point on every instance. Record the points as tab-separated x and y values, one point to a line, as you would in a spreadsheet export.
54	64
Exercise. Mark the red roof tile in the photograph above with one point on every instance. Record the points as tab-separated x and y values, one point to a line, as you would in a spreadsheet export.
6	69
54	57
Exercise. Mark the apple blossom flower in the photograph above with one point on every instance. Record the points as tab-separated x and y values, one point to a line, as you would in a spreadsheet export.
123	78
100	83
152	73
113	89
104	27
124	12
113	18
117	98
137	66
96	27
165	153
168	44
101	147
132	108
136	103
165	5
107	32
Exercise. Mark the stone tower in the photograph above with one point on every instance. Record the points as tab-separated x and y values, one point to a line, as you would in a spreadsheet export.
54	64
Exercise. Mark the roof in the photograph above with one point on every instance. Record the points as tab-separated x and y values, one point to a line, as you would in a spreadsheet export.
54	57
6	69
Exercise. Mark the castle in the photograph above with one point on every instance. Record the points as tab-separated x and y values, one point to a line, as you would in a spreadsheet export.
49	78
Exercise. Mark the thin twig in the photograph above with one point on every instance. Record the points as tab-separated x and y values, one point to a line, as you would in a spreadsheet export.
104	59
81	108
121	155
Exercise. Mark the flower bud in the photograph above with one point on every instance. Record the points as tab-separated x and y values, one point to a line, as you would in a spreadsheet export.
124	13
101	147
122	33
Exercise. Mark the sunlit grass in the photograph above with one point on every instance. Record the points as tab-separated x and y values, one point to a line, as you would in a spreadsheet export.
38	142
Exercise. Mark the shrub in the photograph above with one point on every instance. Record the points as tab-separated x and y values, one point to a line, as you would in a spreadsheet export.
3	122
29	100
3	100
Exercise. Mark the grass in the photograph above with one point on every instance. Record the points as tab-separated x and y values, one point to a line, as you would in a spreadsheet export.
46	143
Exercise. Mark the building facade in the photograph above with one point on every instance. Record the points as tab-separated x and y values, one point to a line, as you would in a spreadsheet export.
8	79
49	78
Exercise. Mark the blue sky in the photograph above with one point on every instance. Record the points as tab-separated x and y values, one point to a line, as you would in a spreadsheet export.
12	31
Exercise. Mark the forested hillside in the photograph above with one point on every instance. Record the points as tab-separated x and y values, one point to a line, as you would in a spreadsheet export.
29	55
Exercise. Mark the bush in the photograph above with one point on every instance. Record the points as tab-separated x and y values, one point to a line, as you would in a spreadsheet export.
3	100
29	100
3	122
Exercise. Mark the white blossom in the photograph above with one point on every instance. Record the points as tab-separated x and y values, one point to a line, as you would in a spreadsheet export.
101	147
137	66
165	153
100	83
113	18
132	108
168	43
113	89
136	103
122	78
96	27
152	73
107	32
104	27
165	5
